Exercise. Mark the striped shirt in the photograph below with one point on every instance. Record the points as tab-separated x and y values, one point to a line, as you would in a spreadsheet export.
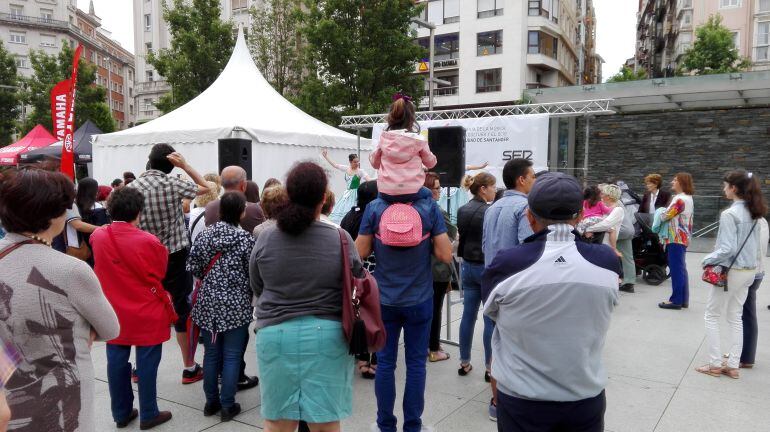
163	215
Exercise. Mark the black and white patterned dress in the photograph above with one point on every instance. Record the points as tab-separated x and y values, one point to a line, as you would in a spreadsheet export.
224	299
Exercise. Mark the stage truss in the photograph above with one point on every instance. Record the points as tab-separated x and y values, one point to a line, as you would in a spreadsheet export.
554	109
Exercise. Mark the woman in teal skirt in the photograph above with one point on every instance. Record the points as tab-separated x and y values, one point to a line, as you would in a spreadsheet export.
354	176
306	372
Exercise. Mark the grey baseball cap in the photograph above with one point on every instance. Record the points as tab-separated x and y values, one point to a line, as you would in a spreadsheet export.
556	196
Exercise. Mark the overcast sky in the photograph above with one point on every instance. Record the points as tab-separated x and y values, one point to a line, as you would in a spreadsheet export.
615	28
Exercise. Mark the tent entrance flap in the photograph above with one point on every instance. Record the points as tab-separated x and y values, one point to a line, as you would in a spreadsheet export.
235	151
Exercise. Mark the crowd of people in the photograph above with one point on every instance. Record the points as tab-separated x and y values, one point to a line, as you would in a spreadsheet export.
213	257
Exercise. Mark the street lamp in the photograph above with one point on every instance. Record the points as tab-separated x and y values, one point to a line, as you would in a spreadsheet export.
432	28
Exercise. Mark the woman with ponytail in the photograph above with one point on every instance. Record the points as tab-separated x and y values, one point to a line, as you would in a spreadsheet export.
470	224
738	249
305	368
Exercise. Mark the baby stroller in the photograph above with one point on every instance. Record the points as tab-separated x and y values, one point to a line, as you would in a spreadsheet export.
649	255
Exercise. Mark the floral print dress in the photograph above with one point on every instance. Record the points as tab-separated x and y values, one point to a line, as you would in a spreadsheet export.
224	298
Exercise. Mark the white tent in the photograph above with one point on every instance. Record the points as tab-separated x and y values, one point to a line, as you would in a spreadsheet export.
239	104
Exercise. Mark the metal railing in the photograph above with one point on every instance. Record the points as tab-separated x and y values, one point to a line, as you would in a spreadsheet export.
443	91
37	21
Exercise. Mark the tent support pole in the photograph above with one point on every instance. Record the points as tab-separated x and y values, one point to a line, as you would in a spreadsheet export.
585	150
358	142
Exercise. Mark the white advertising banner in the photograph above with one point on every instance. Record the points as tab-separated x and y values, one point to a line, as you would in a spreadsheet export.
496	140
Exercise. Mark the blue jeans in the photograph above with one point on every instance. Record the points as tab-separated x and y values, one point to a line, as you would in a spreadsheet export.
415	320
119	380
471	274
223	357
680	290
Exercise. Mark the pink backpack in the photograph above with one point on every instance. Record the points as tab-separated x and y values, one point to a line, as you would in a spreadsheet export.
401	226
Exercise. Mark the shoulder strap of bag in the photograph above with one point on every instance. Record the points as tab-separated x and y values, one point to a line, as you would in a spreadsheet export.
13	247
742	245
195	223
347	283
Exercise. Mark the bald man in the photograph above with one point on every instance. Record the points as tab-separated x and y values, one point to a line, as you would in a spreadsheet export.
234	180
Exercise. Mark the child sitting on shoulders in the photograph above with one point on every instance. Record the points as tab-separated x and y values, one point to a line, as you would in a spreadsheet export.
402	152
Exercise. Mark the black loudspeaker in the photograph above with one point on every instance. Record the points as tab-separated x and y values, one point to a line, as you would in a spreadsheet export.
448	144
235	151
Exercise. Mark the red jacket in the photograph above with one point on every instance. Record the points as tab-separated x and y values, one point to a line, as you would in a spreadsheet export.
142	315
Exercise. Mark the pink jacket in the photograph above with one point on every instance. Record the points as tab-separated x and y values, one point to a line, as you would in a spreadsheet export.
399	159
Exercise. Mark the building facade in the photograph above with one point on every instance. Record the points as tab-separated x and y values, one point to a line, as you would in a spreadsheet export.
666	30
490	51
44	25
151	33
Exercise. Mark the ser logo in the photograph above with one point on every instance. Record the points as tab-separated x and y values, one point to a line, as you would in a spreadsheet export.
517	154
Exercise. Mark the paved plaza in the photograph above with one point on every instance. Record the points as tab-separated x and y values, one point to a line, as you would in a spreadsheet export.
650	355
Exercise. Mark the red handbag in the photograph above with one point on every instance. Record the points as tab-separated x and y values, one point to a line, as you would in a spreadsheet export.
361	314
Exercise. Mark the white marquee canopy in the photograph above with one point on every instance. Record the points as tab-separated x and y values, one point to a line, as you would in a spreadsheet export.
239	104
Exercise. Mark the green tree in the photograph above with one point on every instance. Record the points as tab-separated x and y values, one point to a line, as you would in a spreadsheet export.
201	44
9	96
627	74
714	51
48	70
276	43
360	53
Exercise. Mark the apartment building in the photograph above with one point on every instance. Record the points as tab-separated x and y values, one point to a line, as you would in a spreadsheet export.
44	25
666	29
490	51
151	33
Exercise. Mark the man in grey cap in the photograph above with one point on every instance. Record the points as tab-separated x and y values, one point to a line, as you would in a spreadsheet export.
551	298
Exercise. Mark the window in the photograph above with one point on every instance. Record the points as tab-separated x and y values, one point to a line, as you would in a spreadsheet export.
93	57
542	43
737	40
489	43
48	40
18	37
534	7
21	62
763	6
489	8
239	5
489	80
436	11
451	11
687	17
685	4
148	48
555	11
46	15
447	46
131	109
729	3
147	22
763	41
147	105
17	12
149	76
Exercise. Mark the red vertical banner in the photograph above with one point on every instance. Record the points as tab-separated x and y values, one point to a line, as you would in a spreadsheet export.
59	97
67	149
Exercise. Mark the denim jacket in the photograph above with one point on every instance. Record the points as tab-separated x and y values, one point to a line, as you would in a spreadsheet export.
735	223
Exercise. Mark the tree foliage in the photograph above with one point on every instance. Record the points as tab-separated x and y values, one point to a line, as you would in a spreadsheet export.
201	44
48	70
714	51
276	43
627	74
9	96
359	53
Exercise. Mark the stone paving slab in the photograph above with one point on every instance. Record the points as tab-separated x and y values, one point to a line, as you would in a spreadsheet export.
650	355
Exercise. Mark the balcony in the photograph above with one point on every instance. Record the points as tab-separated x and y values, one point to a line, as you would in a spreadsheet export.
151	87
683	5
443	91
682	48
33	21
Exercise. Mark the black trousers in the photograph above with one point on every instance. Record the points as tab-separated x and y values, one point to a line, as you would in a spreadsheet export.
750	324
522	415
439	291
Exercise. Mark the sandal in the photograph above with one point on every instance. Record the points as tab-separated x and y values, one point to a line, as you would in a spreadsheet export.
364	369
708	370
437	356
465	369
371	373
731	372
